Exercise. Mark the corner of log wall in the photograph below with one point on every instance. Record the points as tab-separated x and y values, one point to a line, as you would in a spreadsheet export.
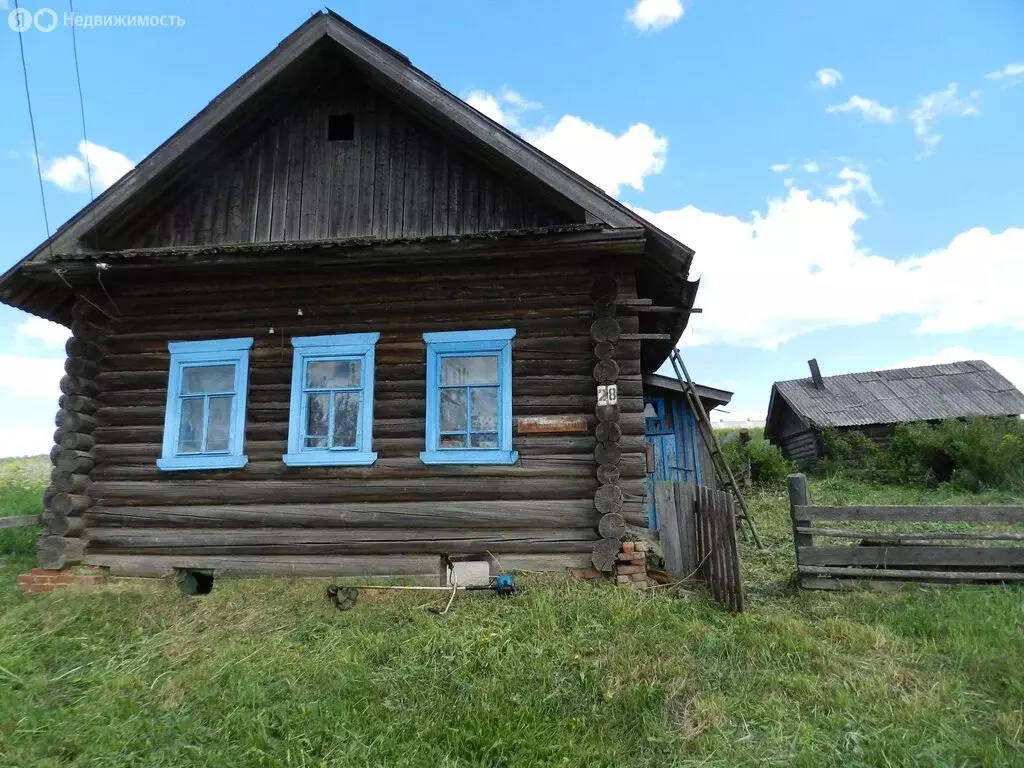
67	499
608	499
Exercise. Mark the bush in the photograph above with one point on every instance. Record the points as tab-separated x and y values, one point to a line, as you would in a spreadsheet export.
852	453
972	454
765	461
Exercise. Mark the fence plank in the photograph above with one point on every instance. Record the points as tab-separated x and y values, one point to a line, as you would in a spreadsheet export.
915	536
734	556
896	556
799	497
937	514
687	528
668	528
894	573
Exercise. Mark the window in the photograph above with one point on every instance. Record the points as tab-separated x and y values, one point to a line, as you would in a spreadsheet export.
204	425
341	127
469	398
331	417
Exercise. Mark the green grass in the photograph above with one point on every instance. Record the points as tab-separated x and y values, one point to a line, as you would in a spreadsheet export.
263	672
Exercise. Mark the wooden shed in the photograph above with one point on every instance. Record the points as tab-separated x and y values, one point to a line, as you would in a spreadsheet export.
341	322
678	444
875	402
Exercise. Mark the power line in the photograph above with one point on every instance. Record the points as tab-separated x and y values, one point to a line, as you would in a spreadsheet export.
32	122
81	101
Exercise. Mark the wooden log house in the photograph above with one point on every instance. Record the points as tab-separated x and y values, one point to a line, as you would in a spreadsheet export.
341	322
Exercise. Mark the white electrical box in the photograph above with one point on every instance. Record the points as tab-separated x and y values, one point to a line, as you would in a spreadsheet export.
471	572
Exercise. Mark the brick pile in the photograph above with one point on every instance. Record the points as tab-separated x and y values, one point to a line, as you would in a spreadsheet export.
43	580
630	567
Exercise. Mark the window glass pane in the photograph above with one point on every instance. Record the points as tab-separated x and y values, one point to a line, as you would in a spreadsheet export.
453	441
469	370
484	409
190	427
316	415
485	440
198	379
218	424
453	410
346	419
316	442
331	374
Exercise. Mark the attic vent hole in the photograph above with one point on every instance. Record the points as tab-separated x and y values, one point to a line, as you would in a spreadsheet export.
341	127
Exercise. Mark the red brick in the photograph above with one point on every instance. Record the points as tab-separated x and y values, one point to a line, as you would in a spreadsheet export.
628	547
623	570
639	577
585	573
622	580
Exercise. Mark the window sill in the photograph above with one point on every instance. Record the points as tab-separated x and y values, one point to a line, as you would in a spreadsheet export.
330	459
182	463
469	456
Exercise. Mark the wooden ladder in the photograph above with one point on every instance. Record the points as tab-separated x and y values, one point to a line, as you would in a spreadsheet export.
722	469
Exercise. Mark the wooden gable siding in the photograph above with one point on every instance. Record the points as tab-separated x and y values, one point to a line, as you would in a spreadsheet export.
398	507
396	178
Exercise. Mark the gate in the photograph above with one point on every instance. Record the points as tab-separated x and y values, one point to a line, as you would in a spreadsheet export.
698	534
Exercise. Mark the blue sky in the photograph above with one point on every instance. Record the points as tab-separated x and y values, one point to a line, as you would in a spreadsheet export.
849	173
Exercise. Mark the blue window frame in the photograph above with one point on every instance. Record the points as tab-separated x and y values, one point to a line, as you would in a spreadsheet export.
204	423
469	397
331	417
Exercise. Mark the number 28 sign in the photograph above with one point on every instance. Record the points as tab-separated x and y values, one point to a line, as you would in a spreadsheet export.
607	394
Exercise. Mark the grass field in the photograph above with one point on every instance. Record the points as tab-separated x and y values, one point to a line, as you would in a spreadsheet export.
263	672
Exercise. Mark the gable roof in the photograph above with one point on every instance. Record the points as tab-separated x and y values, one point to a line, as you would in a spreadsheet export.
387	69
898	395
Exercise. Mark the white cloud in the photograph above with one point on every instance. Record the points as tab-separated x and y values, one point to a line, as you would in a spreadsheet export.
944	103
50	334
779	167
484	102
650	15
870	109
69	172
31	376
25	441
506	108
1014	69
607	160
1011	367
828	77
598	155
810	166
852	180
803	270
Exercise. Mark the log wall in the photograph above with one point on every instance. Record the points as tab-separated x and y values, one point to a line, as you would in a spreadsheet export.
545	505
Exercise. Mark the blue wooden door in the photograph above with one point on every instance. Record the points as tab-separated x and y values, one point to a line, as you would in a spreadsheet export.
662	454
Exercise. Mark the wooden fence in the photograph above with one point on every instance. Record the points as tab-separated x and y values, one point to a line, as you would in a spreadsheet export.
698	534
981	547
18	522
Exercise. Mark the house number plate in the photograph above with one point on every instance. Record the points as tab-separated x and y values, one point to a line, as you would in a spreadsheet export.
607	394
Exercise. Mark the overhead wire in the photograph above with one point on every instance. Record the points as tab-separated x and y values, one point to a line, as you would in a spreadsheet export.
32	123
81	101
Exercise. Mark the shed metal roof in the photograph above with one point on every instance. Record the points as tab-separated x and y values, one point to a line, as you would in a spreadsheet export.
923	393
